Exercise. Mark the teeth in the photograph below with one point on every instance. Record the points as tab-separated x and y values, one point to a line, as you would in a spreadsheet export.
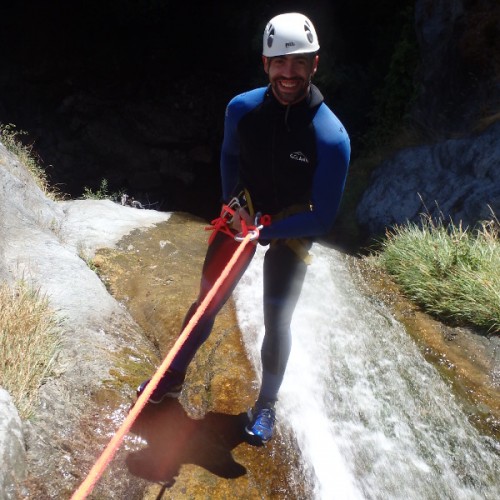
288	84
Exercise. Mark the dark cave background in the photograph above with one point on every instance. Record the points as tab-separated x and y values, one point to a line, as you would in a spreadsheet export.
134	91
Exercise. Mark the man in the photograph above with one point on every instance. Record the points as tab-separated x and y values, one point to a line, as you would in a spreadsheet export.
285	155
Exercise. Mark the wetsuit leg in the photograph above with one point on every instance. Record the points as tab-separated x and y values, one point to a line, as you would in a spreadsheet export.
218	255
284	274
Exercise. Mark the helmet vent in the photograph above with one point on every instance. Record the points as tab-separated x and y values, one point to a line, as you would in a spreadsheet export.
270	36
309	35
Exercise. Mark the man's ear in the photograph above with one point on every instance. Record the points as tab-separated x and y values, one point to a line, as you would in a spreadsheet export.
265	62
315	64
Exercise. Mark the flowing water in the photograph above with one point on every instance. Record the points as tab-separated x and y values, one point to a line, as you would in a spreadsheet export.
372	418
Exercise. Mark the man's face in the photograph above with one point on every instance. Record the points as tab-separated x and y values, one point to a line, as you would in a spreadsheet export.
290	75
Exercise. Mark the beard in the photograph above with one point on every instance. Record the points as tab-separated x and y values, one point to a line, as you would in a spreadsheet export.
289	91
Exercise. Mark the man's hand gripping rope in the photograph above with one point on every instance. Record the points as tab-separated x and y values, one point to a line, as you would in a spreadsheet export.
254	230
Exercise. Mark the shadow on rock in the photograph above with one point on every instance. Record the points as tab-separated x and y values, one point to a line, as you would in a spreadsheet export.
174	439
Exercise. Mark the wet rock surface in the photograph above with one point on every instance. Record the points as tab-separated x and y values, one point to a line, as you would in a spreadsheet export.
12	450
194	447
468	360
38	245
452	180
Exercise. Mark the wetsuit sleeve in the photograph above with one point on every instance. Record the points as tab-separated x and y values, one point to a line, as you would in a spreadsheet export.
333	155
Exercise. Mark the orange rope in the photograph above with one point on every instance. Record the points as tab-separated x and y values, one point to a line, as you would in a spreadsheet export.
107	455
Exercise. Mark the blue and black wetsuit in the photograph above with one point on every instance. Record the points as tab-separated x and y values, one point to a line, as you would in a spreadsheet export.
292	161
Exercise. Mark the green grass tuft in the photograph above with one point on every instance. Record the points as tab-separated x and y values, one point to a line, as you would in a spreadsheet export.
452	272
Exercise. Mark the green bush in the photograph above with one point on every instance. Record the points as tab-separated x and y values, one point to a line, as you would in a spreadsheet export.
102	192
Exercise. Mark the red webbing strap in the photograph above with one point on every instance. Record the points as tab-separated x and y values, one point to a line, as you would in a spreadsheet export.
221	223
107	455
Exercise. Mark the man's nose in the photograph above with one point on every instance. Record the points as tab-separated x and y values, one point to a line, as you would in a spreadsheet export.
288	68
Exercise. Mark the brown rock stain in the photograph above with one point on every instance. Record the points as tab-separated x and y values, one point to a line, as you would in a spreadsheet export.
466	359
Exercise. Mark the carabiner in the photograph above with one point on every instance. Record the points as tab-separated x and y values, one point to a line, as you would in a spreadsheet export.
253	232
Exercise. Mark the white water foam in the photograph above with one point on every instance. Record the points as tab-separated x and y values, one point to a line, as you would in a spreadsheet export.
372	418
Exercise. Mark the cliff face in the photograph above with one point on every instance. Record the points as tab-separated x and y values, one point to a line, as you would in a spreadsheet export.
455	174
459	77
42	243
455	179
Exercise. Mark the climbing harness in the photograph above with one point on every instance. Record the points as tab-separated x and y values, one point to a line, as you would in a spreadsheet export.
300	246
224	221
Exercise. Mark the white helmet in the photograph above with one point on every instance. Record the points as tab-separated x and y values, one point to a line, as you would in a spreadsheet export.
290	33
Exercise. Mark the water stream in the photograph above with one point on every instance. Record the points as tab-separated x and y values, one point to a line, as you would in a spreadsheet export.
373	419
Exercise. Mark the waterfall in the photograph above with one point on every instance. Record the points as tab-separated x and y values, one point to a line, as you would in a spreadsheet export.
372	418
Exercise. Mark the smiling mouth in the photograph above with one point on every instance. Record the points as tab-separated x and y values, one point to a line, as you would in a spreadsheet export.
289	84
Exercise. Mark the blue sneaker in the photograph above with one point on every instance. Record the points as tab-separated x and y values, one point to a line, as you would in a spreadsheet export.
170	386
261	426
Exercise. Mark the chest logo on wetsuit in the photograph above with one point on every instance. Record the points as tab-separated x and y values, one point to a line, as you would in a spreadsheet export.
299	156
